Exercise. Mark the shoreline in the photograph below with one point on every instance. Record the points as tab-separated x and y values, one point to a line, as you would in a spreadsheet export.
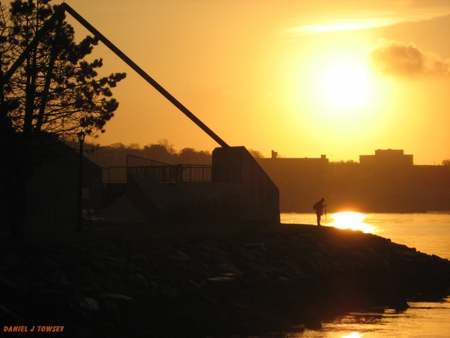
209	280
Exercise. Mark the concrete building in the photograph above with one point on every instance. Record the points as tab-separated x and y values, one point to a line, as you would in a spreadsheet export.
235	187
51	192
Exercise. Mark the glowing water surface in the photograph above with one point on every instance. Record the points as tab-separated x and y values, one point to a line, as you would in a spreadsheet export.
342	220
428	233
351	220
421	320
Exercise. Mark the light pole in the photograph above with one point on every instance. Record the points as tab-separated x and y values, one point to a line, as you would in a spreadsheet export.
79	226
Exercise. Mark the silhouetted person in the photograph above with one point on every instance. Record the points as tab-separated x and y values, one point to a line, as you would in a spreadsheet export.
319	207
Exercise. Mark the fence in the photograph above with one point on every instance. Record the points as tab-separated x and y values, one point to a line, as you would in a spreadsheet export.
168	173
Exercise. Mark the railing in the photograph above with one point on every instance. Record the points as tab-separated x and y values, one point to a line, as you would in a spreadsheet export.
137	161
114	175
196	173
168	173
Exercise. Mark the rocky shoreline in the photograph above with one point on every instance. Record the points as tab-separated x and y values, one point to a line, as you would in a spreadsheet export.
282	278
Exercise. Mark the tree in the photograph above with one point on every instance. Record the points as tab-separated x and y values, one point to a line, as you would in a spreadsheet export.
256	153
54	92
192	156
158	152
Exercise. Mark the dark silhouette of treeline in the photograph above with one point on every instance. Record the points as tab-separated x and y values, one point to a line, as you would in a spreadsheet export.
115	155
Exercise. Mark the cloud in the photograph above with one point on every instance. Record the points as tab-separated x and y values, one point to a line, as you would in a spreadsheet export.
322	16
399	58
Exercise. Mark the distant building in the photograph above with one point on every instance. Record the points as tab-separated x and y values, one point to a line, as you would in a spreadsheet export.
300	180
386	158
387	181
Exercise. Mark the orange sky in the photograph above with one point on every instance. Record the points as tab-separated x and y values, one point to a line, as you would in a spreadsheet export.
303	78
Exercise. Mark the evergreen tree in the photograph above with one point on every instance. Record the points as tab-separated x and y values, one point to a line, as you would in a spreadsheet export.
55	91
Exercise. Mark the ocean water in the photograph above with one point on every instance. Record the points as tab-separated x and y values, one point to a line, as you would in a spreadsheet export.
428	233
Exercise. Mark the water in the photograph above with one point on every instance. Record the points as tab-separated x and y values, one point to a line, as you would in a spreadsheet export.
428	233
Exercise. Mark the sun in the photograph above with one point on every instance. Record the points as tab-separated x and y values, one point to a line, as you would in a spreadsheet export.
336	93
346	85
338	89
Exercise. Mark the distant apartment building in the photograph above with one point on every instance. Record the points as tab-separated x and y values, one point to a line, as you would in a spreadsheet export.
388	158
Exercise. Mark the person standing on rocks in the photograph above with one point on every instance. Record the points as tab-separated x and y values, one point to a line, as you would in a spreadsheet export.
319	207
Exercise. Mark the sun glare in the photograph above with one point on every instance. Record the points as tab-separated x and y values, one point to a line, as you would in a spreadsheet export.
351	220
353	335
339	91
346	85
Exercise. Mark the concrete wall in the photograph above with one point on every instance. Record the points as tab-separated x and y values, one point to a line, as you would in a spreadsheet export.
235	169
239	190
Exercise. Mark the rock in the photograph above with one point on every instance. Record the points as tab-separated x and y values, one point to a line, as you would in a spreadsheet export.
256	246
141	260
89	303
117	298
52	295
137	281
221	279
7	284
57	278
8	318
183	256
273	281
168	292
312	320
85	280
229	268
3	310
46	264
212	248
109	307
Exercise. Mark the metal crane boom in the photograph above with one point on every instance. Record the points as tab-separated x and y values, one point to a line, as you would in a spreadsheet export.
143	74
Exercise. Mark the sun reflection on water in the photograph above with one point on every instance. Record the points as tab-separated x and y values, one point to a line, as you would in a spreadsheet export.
351	220
353	335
